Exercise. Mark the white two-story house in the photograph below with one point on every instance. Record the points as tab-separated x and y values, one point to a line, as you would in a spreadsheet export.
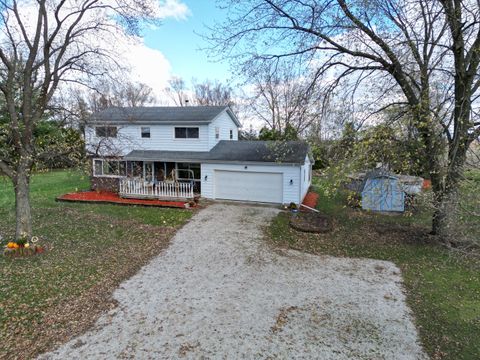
182	152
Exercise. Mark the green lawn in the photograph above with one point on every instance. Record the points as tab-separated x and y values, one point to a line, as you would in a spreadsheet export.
443	288
46	299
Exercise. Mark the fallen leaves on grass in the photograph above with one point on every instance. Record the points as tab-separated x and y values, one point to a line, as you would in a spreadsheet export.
49	300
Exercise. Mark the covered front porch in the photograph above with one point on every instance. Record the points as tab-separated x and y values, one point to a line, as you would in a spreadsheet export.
162	180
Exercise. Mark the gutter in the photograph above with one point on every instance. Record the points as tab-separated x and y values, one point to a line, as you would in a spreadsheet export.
205	161
145	122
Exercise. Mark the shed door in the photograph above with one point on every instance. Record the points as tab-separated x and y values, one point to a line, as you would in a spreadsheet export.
382	194
249	186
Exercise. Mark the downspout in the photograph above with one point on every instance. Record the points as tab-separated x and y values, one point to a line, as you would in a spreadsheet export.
300	187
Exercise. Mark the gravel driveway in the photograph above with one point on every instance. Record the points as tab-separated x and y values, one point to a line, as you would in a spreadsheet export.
220	292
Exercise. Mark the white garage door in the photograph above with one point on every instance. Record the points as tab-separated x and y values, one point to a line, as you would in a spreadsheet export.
249	186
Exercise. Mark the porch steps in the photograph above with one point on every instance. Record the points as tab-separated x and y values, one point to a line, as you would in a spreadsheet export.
113	198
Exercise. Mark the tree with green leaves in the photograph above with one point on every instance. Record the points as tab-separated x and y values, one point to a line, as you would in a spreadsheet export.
289	133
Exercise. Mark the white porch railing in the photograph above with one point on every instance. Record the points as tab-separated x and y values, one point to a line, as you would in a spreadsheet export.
134	188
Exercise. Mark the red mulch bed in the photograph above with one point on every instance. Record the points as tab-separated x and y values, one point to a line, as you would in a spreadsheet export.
113	198
310	200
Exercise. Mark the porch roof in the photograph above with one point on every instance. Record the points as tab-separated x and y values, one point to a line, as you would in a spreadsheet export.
289	152
168	156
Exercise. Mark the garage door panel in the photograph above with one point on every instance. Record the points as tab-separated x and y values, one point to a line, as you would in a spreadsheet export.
249	186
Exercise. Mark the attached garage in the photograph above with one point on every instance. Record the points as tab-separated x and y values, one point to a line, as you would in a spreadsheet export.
257	171
248	186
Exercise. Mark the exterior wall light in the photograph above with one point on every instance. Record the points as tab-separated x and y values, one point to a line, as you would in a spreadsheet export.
206	177
246	167
291	181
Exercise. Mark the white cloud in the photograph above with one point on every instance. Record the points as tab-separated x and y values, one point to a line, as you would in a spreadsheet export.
148	66
173	9
144	64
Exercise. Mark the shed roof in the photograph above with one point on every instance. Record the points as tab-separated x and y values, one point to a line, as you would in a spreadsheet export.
160	115
289	152
380	173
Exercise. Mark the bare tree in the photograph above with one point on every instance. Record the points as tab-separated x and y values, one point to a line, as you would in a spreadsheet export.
45	44
177	91
73	107
203	93
422	54
133	95
284	98
213	93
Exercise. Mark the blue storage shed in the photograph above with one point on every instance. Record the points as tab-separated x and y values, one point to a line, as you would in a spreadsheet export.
382	192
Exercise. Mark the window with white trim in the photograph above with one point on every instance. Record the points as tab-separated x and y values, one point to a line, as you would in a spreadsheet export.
106	131
97	167
186	133
217	133
114	168
231	134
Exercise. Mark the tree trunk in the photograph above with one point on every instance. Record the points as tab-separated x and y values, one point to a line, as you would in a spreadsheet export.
446	196
22	204
435	148
440	213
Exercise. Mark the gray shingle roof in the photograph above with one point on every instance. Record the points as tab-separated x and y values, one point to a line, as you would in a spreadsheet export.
174	156
290	152
293	152
159	114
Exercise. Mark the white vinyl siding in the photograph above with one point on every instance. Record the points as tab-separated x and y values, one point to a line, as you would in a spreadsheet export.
162	137
306	180
290	191
224	124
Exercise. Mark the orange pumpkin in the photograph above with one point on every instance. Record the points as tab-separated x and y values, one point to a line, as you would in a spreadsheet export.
11	245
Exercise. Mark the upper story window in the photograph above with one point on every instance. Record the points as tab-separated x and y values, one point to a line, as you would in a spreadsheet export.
186	133
217	133
231	134
145	131
106	131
